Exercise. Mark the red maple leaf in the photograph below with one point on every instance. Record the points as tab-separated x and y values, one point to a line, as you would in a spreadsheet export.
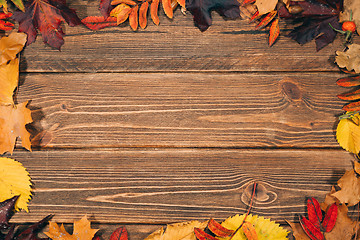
46	16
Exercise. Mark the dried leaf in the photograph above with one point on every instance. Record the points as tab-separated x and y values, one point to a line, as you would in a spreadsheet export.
349	59
265	6
143	14
167	8
249	231
82	230
119	234
348	134
352	6
55	12
10	46
133	18
9	76
15	181
350	188
154	11
274	32
266	20
298	231
219	230
178	231
201	235
97	23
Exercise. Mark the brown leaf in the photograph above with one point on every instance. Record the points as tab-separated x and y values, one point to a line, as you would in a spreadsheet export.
350	188
143	14
133	18
349	59
298	231
154	11
9	76
219	230
265	6
274	32
11	45
12	125
167	8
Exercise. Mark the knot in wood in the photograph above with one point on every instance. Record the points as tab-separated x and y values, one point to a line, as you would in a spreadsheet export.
262	195
291	90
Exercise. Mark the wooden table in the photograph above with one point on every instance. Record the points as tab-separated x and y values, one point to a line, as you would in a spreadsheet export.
170	124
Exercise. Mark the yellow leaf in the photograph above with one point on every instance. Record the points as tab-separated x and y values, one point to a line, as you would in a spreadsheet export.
265	228
12	125
14	180
9	77
82	231
178	231
348	134
265	6
11	45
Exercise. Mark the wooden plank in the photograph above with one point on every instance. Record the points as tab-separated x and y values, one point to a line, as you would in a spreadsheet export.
185	109
175	46
161	186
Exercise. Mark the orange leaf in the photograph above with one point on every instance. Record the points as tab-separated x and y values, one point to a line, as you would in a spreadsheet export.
121	12
181	3
350	96
99	22
219	230
9	76
167	8
12	125
82	230
142	14
201	235
354	106
266	20
154	11
274	32
129	2
133	18
249	231
349	81
255	16
247	2
11	45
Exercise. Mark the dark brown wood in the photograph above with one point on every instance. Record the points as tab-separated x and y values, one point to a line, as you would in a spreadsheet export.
169	185
185	109
175	45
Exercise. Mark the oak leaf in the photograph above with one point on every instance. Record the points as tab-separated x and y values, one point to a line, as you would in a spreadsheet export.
349	59
265	228
178	231
10	46
348	133
352	6
13	120
82	231
14	181
46	16
265	6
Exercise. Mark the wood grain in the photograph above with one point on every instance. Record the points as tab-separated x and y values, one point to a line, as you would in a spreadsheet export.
175	45
185	109
160	186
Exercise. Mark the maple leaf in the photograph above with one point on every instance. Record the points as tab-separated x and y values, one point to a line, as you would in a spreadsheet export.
178	231
14	181
10	46
265	6
353	7
46	16
265	228
348	133
82	231
350	59
201	10
350	187
316	18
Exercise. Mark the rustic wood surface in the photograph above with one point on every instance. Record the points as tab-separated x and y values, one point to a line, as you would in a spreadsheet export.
169	124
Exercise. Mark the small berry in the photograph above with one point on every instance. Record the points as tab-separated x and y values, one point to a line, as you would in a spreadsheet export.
349	26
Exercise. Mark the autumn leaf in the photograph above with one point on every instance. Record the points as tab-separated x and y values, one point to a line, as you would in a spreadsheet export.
14	181
349	59
178	231
10	46
18	3
265	6
82	231
218	229
202	235
143	14
348	133
97	23
47	17
274	32
266	20
6	211
119	234
9	77
352	6
4	24
201	10
265	228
